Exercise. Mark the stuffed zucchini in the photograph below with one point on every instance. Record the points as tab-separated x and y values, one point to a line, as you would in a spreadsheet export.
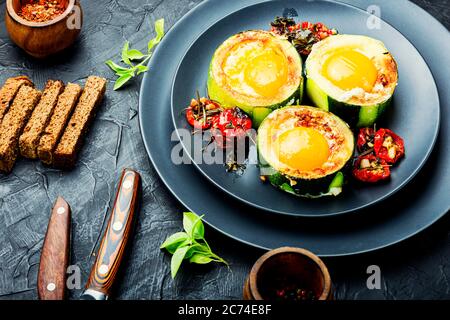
257	72
351	76
305	151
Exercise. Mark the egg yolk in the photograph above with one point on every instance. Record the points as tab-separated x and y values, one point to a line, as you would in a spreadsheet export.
349	69
252	66
302	148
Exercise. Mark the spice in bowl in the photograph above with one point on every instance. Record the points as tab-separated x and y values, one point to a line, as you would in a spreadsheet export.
285	290
288	274
42	10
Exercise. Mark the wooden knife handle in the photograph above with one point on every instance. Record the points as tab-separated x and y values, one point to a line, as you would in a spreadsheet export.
55	254
116	235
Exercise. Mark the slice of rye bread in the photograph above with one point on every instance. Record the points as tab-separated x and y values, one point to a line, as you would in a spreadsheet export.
29	140
13	123
66	153
9	91
61	115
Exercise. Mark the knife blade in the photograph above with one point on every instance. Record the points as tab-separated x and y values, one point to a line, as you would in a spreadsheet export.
55	254
115	238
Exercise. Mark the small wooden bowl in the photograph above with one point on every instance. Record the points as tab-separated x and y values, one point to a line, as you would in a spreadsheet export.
42	39
298	265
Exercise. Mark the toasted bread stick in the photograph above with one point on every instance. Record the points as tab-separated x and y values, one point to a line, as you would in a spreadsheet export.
13	124
9	91
29	140
61	115
66	152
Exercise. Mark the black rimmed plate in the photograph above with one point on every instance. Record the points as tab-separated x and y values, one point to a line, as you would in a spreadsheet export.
414	115
411	210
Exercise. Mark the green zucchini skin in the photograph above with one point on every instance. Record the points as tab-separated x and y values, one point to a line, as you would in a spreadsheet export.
355	116
307	189
330	185
296	98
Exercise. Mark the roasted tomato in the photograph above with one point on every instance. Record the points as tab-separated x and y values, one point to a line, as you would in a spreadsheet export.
201	113
366	139
388	146
371	169
230	125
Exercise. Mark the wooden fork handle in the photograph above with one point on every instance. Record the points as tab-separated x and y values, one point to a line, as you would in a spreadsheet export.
55	254
115	239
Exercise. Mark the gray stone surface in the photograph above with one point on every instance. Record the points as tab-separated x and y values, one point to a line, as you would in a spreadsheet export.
418	268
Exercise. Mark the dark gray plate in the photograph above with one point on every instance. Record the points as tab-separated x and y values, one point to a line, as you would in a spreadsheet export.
405	117
413	209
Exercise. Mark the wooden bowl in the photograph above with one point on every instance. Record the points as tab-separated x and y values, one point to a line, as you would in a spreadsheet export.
293	264
42	39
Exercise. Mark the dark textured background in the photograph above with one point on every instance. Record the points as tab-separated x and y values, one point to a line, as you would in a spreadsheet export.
418	268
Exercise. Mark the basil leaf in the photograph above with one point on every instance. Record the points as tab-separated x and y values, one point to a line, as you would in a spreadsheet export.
177	259
197	248
122	80
189	219
125	72
200	258
193	225
198	231
159	28
174	240
115	67
125	49
135	54
142	69
286	187
185	243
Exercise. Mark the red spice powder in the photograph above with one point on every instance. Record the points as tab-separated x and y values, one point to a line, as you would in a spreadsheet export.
41	10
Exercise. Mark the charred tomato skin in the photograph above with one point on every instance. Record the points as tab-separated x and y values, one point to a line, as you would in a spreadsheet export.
196	118
371	174
231	124
196	123
382	152
366	137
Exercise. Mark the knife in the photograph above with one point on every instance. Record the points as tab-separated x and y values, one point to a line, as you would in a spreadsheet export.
54	260
115	238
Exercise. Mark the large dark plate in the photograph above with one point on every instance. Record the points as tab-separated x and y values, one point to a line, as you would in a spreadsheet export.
413	209
416	105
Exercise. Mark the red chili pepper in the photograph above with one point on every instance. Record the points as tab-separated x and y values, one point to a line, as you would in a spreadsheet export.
231	124
388	146
201	113
366	139
371	169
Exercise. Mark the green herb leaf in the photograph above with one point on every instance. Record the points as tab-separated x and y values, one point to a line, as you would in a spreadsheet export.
115	67
177	259
200	258
135	54
129	55
125	72
120	82
159	28
174	241
197	248
190	245
193	225
125	49
286	187
142	69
